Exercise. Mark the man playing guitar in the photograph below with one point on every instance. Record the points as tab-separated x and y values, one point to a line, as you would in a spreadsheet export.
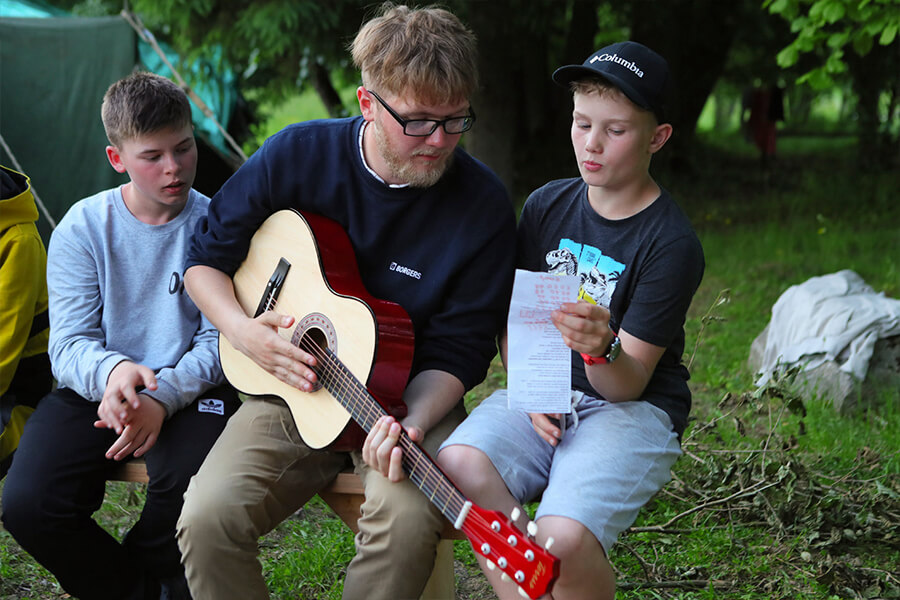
433	230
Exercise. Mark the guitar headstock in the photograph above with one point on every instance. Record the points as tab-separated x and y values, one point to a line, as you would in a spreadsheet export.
494	537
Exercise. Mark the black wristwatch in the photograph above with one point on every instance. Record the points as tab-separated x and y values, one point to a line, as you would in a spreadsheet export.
615	348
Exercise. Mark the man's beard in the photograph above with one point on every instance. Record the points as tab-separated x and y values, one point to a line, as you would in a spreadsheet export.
402	167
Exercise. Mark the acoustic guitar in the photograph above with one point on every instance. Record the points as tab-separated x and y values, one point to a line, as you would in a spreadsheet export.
304	264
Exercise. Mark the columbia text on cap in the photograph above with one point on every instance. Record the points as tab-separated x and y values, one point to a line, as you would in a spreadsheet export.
641	74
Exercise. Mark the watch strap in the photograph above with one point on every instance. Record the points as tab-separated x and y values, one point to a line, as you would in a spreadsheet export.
612	353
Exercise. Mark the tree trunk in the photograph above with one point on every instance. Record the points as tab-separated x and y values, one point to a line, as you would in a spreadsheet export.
523	118
874	74
695	37
321	81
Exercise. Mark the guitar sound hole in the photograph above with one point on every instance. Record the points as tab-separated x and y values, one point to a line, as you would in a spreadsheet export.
314	333
315	342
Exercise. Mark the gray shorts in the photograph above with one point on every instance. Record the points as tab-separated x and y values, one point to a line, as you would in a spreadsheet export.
613	457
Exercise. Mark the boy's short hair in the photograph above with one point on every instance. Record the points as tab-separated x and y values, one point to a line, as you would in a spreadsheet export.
639	72
143	103
600	86
425	52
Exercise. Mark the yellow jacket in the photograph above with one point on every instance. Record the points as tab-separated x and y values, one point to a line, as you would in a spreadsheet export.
24	327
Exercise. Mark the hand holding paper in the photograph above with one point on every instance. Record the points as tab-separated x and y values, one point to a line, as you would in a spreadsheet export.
539	362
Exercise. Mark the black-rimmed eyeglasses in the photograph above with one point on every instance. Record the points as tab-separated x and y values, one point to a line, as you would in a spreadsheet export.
425	127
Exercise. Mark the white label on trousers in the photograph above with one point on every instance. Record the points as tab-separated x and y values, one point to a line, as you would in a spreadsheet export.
212	406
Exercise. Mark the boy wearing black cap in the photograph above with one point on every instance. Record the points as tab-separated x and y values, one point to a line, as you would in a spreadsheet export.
640	263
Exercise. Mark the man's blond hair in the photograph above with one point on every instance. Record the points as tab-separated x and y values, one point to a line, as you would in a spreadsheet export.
426	53
143	103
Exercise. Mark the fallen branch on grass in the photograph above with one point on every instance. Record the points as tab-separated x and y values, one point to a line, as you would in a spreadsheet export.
685	583
748	491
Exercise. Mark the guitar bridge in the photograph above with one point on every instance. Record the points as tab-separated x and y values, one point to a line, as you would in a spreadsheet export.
273	287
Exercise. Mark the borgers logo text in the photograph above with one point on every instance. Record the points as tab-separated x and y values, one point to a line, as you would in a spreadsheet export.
406	271
619	61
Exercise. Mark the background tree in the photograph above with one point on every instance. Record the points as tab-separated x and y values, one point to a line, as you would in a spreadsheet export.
280	46
859	38
523	119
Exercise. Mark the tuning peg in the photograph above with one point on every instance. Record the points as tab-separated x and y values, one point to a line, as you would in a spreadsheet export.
490	565
505	577
515	514
502	562
519	576
549	543
529	555
522	592
531	528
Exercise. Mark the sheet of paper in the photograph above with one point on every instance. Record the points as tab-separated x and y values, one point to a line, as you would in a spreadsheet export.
539	378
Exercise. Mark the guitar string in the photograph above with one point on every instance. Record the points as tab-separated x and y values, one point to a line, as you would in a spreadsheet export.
332	365
474	520
454	500
442	489
412	454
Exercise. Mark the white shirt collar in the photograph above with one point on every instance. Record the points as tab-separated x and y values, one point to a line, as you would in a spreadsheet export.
362	155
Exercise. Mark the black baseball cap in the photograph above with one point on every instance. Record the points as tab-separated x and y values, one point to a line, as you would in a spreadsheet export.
641	74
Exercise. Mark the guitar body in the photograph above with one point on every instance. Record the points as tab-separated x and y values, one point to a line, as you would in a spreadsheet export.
323	291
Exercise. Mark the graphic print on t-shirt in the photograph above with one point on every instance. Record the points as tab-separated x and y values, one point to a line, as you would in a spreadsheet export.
598	273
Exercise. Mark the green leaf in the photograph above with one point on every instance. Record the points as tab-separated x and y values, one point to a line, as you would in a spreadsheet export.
807	41
873	26
862	44
888	35
834	63
776	6
834	12
817	10
787	57
818	78
799	24
837	40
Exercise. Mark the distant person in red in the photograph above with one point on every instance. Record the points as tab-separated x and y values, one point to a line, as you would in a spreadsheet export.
766	107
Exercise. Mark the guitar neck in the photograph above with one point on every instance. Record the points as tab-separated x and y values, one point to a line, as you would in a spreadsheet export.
365	410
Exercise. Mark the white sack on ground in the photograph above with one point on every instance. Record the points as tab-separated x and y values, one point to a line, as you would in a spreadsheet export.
834	317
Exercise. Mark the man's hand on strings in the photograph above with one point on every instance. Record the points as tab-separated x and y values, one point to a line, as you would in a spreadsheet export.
258	338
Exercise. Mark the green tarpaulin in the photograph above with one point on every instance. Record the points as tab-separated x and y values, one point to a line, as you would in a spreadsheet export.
53	73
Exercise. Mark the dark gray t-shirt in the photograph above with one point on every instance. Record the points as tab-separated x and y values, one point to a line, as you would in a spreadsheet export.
644	268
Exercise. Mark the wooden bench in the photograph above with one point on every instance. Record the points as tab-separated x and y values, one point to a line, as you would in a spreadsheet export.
345	495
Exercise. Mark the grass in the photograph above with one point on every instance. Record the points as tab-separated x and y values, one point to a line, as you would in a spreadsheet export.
812	506
775	497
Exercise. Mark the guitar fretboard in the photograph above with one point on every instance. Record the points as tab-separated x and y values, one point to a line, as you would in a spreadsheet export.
365	410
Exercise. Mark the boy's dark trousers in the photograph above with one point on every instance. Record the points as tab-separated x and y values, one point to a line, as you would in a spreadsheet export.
58	480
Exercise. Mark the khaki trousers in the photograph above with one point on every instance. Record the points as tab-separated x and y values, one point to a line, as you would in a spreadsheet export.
260	472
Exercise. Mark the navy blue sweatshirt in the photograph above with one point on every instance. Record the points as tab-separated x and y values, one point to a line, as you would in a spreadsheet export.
446	253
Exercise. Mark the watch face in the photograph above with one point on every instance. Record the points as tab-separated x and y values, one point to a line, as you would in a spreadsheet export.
614	349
